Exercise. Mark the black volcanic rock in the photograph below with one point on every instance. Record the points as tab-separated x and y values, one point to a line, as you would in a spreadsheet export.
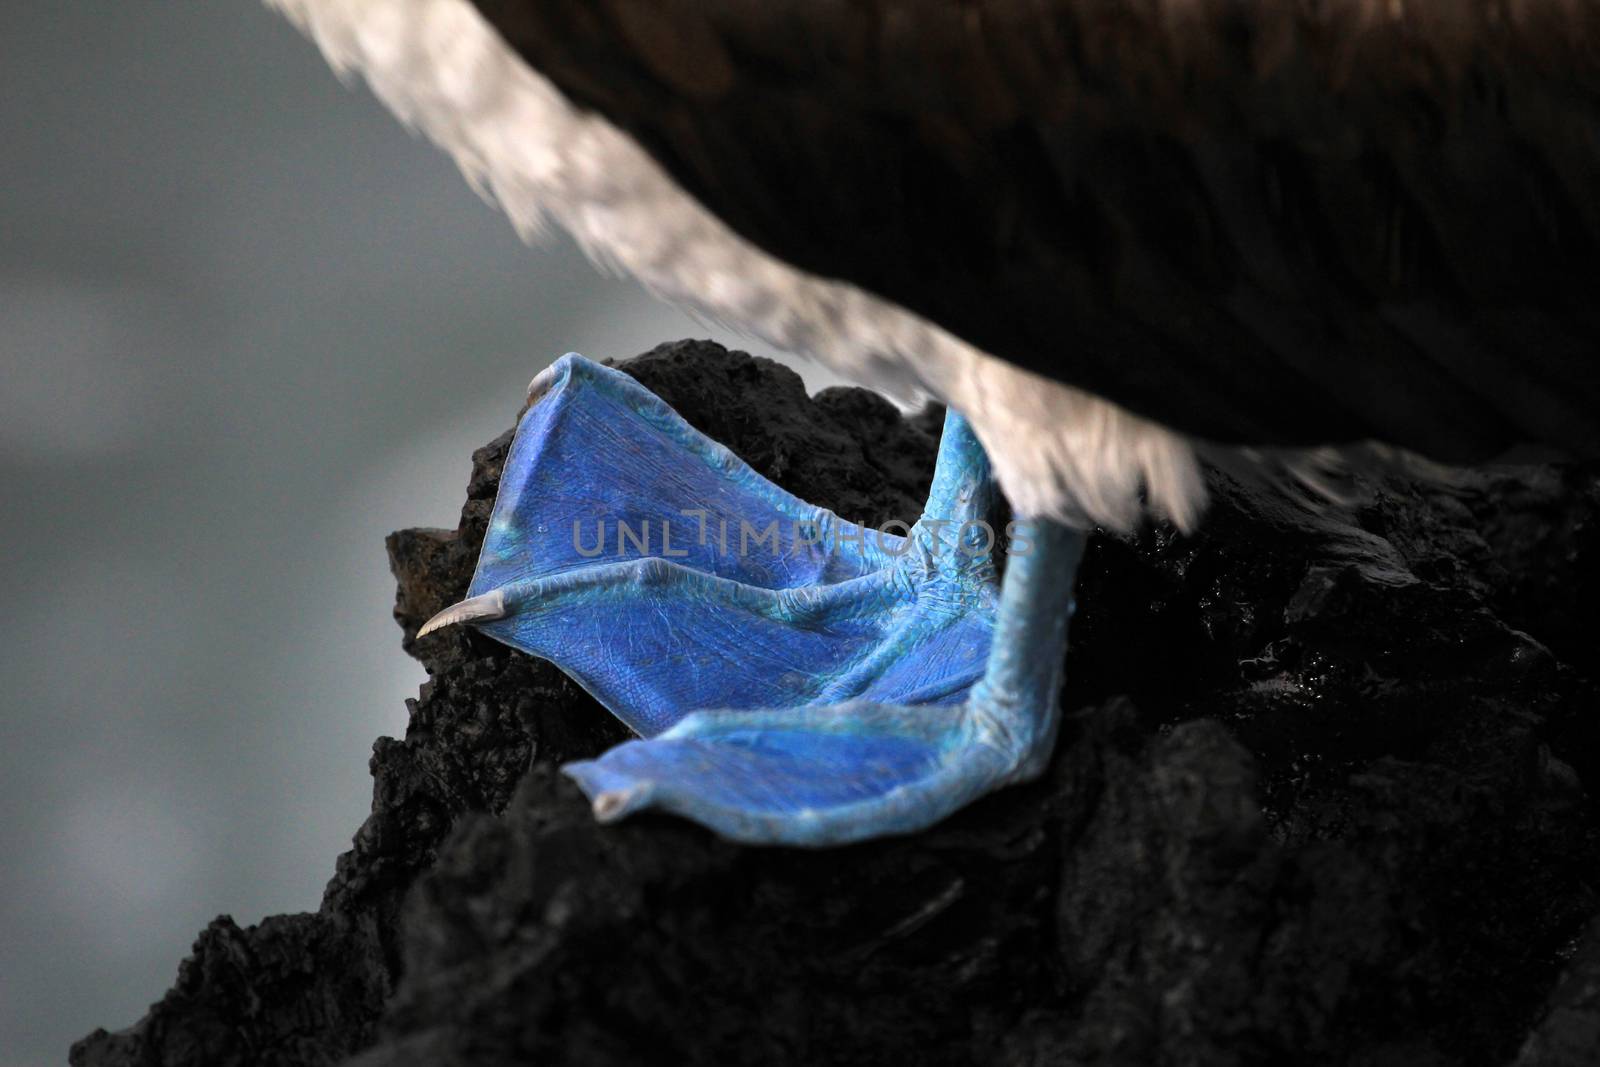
1323	796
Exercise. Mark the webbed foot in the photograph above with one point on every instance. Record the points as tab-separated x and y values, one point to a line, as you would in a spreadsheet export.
863	683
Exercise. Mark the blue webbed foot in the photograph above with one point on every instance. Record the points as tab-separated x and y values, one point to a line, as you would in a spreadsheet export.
862	683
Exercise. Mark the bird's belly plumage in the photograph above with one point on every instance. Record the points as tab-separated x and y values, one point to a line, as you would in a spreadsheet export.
1058	452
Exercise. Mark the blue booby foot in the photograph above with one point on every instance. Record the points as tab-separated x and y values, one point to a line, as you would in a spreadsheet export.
859	682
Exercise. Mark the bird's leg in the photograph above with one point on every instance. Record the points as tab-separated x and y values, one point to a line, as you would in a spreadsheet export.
1015	706
869	687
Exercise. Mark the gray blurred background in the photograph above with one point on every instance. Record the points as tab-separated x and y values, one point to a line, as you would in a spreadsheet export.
248	325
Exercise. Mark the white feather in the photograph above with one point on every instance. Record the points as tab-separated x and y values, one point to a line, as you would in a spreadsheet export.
1057	451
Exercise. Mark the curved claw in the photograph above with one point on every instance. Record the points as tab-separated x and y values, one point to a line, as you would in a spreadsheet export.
484	608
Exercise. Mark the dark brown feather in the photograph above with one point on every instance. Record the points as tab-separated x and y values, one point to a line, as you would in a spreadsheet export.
1279	222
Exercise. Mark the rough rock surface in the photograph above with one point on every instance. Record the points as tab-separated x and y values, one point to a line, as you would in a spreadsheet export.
1324	796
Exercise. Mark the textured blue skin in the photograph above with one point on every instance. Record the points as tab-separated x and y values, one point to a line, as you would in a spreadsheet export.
864	684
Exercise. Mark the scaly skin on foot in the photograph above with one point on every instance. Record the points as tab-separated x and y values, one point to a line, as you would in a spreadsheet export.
795	679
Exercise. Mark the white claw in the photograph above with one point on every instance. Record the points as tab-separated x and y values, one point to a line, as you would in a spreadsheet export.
541	383
490	605
614	804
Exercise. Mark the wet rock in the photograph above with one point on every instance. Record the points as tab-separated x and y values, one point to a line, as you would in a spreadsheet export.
1324	795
